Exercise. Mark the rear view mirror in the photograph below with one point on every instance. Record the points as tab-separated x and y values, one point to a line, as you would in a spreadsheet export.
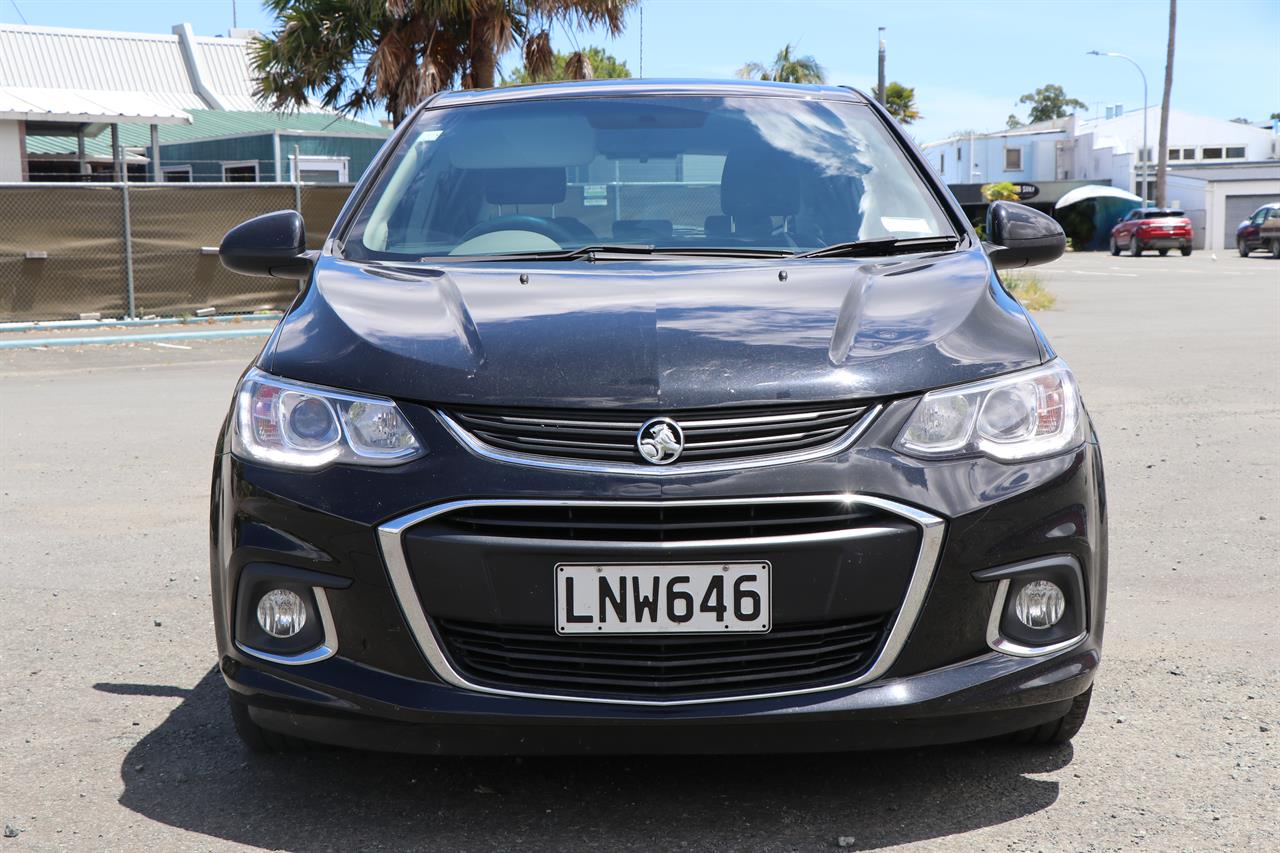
274	244
1020	236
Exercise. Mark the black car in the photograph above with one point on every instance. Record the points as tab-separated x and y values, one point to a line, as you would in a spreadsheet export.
655	417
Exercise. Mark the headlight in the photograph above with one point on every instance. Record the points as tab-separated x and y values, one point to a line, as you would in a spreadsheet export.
302	426
1019	416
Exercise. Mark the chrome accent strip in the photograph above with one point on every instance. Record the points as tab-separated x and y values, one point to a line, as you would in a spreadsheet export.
734	442
390	540
768	419
514	419
488	451
328	645
1006	646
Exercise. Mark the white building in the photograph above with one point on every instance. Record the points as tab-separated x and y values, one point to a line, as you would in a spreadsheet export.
1021	154
1219	170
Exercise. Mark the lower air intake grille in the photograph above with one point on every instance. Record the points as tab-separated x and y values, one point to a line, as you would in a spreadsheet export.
710	435
537	659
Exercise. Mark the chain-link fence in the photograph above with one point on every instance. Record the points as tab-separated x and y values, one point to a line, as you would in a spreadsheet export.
140	249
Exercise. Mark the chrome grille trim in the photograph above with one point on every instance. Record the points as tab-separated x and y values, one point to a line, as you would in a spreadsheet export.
840	442
390	541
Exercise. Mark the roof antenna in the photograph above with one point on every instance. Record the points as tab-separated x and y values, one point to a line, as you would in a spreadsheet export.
234	23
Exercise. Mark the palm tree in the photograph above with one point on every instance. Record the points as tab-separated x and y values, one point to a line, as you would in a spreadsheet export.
785	69
1163	161
900	101
354	54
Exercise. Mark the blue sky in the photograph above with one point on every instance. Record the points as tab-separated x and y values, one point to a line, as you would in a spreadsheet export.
969	61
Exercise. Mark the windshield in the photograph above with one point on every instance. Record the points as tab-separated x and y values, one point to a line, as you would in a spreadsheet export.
680	173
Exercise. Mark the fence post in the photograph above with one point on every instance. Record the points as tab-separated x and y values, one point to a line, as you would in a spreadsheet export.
118	154
297	179
297	192
128	252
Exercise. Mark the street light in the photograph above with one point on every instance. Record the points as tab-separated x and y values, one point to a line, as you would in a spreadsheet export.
1146	152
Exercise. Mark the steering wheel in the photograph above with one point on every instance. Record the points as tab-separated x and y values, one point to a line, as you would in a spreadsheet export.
521	222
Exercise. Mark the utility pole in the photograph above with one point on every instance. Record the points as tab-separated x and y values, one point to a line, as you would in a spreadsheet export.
1163	162
880	75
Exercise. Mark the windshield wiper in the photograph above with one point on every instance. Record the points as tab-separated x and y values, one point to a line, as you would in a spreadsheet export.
882	246
602	250
551	254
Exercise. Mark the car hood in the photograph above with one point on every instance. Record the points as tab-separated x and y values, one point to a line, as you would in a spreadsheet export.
656	333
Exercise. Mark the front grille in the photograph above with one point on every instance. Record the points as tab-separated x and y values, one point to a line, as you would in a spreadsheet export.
662	667
709	434
665	523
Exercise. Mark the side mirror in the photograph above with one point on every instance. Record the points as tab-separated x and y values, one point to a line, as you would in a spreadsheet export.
1020	236
274	244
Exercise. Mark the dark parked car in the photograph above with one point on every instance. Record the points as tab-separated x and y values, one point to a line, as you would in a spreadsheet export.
1260	231
1152	228
655	417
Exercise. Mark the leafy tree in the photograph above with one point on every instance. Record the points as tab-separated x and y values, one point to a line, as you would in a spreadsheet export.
590	64
900	101
1012	122
1002	191
1049	102
1275	116
353	54
786	68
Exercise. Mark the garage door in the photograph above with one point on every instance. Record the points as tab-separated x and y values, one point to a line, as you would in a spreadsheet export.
1240	207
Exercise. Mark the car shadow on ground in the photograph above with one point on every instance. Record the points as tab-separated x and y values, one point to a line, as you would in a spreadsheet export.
192	773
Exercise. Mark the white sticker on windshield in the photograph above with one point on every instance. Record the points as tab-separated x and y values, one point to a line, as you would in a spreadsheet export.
909	224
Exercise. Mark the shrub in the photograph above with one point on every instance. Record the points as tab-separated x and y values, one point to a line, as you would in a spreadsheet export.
1028	289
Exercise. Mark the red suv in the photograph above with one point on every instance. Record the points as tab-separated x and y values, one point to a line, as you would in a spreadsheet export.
1151	228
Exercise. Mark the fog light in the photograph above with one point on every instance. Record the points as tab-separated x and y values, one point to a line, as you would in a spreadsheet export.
281	613
1040	604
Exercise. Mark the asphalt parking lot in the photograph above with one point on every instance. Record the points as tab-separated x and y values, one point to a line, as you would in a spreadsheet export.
114	732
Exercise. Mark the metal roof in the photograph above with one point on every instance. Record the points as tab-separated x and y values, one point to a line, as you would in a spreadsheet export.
84	106
226	64
213	124
68	75
56	74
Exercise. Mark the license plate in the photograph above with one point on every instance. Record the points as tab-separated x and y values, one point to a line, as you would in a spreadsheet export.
660	598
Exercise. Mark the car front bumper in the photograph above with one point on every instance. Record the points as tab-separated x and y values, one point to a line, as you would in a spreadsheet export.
378	685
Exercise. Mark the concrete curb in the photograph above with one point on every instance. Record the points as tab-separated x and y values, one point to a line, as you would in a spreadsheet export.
131	322
39	343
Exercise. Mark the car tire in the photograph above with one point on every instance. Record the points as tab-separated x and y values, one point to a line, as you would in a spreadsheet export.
1242	248
1186	251
1163	252
257	739
1059	731
1115	247
1134	249
1275	248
